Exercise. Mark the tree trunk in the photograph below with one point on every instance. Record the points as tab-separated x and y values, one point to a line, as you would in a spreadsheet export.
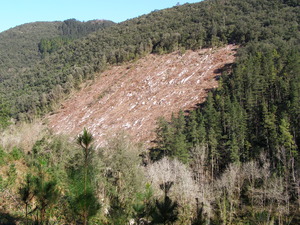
42	215
26	213
85	184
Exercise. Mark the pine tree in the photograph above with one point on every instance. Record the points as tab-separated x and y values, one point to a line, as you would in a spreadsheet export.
179	146
201	132
193	135
26	193
213	151
144	205
45	193
166	210
164	139
86	201
270	133
234	150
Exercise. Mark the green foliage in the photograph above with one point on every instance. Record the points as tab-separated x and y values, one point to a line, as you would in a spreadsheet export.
26	190
48	46
82	202
2	184
16	153
252	113
191	26
73	28
11	175
171	139
9	179
21	50
248	114
85	203
255	113
199	219
85	140
4	116
123	177
3	156
26	193
143	205
286	138
166	210
46	195
19	45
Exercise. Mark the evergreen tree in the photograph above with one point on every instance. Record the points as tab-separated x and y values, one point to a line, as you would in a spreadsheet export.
234	150
270	133
193	134
143	206
164	140
86	202
46	194
166	210
26	193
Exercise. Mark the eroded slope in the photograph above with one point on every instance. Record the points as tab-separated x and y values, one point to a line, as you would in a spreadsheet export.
131	97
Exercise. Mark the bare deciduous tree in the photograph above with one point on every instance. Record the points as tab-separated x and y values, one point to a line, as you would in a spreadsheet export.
184	190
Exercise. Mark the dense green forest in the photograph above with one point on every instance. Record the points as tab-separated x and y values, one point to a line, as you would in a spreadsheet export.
23	47
253	117
190	26
232	160
19	45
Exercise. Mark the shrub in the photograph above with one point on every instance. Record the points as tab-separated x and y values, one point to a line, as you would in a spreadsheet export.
2	156
16	153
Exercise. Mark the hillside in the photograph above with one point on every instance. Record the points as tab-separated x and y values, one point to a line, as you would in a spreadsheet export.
190	26
24	47
131	97
21	47
221	76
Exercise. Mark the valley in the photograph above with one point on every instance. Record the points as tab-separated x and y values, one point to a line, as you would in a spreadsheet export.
187	115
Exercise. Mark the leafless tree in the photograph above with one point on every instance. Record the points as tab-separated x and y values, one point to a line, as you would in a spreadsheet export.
184	190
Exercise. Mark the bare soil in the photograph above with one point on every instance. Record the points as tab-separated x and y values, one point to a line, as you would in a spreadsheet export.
131	97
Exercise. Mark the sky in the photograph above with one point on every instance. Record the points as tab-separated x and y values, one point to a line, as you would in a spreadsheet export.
17	12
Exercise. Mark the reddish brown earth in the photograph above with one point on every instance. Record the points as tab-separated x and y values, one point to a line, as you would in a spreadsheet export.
131	97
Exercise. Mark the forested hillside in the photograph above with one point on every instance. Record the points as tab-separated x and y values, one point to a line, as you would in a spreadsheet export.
24	46
191	26
233	160
254	116
250	122
19	45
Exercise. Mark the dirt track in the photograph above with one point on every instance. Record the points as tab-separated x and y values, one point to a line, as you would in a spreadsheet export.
131	97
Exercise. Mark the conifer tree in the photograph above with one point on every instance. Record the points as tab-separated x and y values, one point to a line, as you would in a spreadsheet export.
234	150
86	202
269	133
143	206
46	194
165	139
192	129
166	210
27	194
201	128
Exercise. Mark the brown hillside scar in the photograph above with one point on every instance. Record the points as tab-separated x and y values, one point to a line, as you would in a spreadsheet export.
131	97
